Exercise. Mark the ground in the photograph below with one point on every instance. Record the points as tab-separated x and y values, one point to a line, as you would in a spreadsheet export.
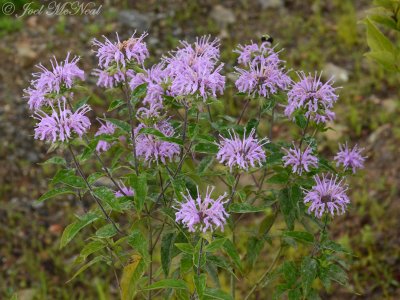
316	35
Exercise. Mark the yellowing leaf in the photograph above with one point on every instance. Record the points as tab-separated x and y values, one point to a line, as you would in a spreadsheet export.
130	276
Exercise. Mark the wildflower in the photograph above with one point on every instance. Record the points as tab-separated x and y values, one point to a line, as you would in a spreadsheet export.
119	53
62	123
202	214
127	191
263	75
241	153
154	77
152	112
153	149
193	69
315	97
105	128
62	75
250	51
298	160
350	158
328	195
110	79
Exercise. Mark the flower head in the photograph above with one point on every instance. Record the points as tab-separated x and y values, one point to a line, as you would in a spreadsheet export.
328	195
193	70
202	214
61	123
299	160
263	74
61	75
241	152
153	149
315	97
111	54
350	158
105	128
128	191
110	79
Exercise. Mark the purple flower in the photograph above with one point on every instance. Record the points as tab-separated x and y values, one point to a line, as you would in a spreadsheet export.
127	191
62	75
328	195
155	78
202	214
350	158
298	160
153	112
315	97
241	153
153	149
248	52
263	74
107	79
119	53
193	69
62	123
105	128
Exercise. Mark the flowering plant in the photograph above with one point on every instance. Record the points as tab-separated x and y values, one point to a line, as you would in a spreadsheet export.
176	180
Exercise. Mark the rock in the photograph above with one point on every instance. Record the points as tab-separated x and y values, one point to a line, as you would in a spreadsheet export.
135	19
389	105
339	74
271	3
26	56
222	16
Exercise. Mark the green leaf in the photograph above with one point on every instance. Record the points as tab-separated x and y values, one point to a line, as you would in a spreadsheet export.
301	121
205	163
230	249
185	247
242	208
91	248
72	229
288	208
208	148
106	231
167	244
294	294
86	266
308	271
107	196
336	273
216	294
215	245
200	284
384	58
300	236
55	192
56	160
140	90
130	277
167	284
376	40
254	247
139	185
68	177
280	178
161	136
290	272
120	124
115	104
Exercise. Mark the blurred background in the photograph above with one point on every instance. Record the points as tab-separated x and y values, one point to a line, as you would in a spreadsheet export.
316	35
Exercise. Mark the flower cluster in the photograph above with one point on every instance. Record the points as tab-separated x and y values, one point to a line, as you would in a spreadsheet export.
153	149
61	123
124	191
327	195
312	96
115	57
47	84
241	152
193	69
263	73
350	158
202	214
299	160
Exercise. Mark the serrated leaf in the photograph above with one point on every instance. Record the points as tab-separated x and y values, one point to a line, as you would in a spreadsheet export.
300	236
120	124
185	247
376	40
208	148
130	276
91	248
72	229
215	245
308	271
205	163
216	294
167	284
115	104
86	266
288	208
139	185
336	273
200	284
230	249
242	208
56	160
106	231
68	177
55	192
280	178
254	247
107	196
167	244
160	135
